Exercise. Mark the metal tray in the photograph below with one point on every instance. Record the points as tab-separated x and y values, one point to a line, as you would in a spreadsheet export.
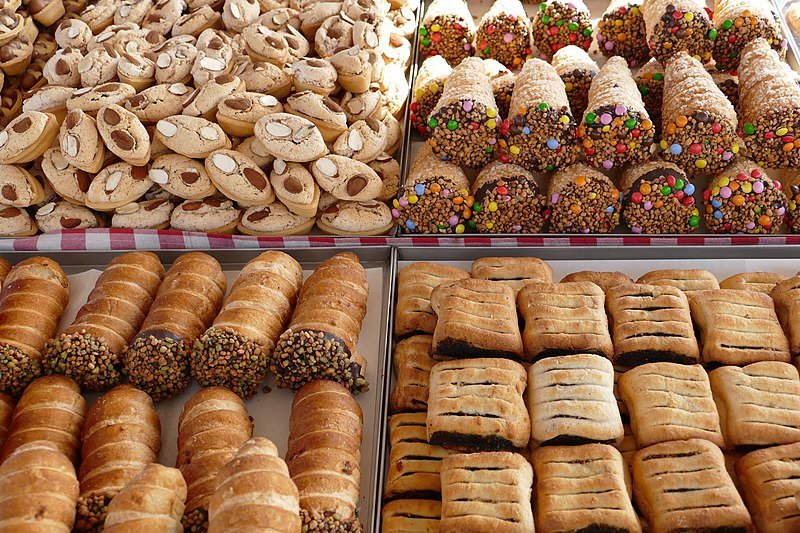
271	411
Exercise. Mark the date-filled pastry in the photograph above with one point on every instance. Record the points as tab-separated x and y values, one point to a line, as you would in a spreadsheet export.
324	455
320	341
414	464
564	319
234	352
684	486
770	479
34	295
738	327
411	516
151	501
414	286
516	272
188	300
582	488
254	492
51	409
476	318
412	365
89	349
121	436
759	404
604	280
477	404
212	427
689	281
488	491
571	401
670	401
752	281
39	490
786	296
651	323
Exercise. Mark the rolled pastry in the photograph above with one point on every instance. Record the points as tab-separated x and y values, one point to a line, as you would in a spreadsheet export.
6	411
502	81
426	91
558	24
582	200
5	268
727	83
577	70
151	501
621	32
650	81
447	30
504	34
676	26
739	22
508	200
791	187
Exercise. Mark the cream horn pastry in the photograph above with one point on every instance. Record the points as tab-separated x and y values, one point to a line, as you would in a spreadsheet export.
727	83
504	34
621	32
502	81
507	200
582	200
650	82
678	26
447	30
577	70
426	91
560	23
6	411
739	22
151	501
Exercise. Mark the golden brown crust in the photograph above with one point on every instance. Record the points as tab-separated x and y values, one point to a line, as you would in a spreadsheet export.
412	365
411	516
6	410
414	286
5	267
563	319
604	280
689	281
683	486
51	409
752	281
669	401
151	501
414	465
254	493
582	488
516	272
786	296
39	490
770	479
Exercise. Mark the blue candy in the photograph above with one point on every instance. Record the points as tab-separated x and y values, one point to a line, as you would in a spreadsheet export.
526	130
689	189
419	189
410	225
552	144
717	214
610	209
675	149
716	203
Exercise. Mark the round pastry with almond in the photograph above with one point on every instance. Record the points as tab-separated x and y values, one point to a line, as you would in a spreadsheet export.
266	78
290	137
55	216
238	14
320	110
211	215
274	219
191	136
314	74
27	137
49	99
333	35
174	61
363	141
73	33
150	214
360	106
124	134
19	188
295	187
16	222
356	218
239	178
71	183
182	176
62	68
205	99
136	70
196	21
80	142
353	68
98	66
388	170
116	185
158	102
346	179
238	113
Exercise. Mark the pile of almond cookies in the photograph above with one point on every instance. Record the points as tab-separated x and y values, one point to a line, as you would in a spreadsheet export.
263	117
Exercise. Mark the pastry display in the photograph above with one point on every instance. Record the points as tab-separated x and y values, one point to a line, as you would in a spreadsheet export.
412	366
738	23
604	280
504	34
583	200
447	30
650	81
674	26
754	281
768	483
415	283
658	198
427	89
621	32
558	24
411	515
577	69
690	281
414	464
152	500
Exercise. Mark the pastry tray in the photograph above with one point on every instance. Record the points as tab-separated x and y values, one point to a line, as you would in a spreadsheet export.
413	141
270	411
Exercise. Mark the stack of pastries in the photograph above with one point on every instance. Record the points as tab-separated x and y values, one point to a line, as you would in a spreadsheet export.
597	403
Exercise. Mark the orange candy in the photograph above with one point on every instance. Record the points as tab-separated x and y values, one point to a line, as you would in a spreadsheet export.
738	200
681	121
580	181
575	209
671	129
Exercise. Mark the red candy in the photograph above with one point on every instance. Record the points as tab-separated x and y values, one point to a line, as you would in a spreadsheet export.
716	128
636	197
769	135
695	148
671	180
502	190
621	148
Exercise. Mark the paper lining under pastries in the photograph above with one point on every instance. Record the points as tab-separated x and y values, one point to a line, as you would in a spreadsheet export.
614	101
403	516
541	129
504	33
507	199
412	365
434	196
558	24
740	21
770	479
698	121
415	282
426	91
628	38
650	81
467	101
582	200
658	199
577	70
663	27
769	107
447	29
414	464
516	272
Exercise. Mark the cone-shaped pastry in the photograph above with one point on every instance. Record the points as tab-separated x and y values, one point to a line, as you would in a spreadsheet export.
323	455
463	125
616	128
678	25
650	81
769	107
121	436
51	409
427	89
743	199
504	34
502	81
33	297
188	300
213	425
577	70
727	83
151	501
790	180
89	349
39	490
582	200
658	199
5	268
698	121
447	30
507	200
435	197
621	32
541	130
254	492
739	22
321	340
6	410
234	352
558	24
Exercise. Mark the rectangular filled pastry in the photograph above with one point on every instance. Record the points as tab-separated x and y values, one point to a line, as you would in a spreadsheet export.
564	319
411	516
571	399
752	281
651	323
412	365
414	286
476	318
689	281
786	296
683	486
738	327
488	491
669	401
583	488
770	481
413	463
604	280
516	272
477	404
759	404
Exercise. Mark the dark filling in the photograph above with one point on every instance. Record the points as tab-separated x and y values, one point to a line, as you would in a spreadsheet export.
459	349
641	357
415	494
462	441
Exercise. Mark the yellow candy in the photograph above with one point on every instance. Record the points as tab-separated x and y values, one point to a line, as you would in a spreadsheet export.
781	132
664	145
491	124
592	195
435	28
489	225
514	150
564	119
606	128
413	199
491	112
700	163
747	187
460	228
715	191
492	207
395	203
568	86
689	16
735	148
618	22
723	182
433	87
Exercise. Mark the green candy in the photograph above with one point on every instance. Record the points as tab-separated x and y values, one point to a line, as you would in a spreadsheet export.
432	122
679	185
572	26
643	89
749	129
471	224
549	168
590	118
423	31
694	221
489	150
587	32
560	23
712	34
542	106
426	41
476	207
546	19
666	190
630	123
727	24
543	6
658	76
452	125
